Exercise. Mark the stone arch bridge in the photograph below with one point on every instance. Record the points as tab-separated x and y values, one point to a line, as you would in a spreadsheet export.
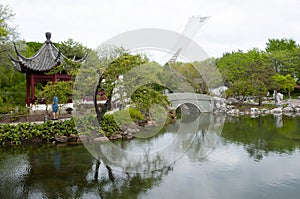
204	103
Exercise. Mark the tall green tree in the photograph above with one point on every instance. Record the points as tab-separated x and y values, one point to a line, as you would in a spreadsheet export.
285	83
284	56
246	74
280	44
73	49
118	67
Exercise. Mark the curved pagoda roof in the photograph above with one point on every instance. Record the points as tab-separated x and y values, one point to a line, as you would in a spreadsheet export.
45	59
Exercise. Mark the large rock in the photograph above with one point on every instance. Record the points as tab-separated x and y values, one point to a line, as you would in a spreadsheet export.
128	136
254	111
82	138
276	111
101	139
233	112
218	91
115	136
288	110
61	138
265	111
72	138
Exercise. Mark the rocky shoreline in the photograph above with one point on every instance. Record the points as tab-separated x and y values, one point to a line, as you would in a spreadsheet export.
288	107
128	132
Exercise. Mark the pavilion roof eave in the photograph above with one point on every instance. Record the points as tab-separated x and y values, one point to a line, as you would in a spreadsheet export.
83	59
45	59
15	62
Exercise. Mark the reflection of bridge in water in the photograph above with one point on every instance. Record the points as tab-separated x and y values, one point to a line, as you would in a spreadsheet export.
195	136
204	103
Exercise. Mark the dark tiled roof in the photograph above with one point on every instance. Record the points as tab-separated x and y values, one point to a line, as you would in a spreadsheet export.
46	58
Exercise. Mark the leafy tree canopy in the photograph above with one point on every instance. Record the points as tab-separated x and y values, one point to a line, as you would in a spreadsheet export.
280	44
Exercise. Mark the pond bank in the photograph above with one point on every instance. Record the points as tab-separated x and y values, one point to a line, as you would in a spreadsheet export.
289	108
60	131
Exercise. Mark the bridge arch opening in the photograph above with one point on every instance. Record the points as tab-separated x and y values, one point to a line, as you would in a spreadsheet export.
188	111
187	108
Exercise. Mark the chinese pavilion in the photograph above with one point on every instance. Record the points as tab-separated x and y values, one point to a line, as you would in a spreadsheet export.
37	67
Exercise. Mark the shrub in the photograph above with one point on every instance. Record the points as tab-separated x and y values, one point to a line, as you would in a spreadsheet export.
15	117
135	114
28	132
121	117
109	125
5	109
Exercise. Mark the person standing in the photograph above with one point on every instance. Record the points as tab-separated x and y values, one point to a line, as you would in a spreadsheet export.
55	108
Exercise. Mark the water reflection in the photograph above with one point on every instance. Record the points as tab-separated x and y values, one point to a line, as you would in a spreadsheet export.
264	134
195	135
252	158
278	120
68	172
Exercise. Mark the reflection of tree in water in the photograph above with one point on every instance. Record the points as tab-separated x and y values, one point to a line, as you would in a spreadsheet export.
71	172
49	174
263	135
117	184
142	155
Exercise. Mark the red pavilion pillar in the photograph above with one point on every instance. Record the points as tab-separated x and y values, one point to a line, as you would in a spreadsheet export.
32	82
28	89
54	78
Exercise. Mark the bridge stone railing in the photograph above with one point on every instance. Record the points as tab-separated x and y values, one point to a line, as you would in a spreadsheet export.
204	103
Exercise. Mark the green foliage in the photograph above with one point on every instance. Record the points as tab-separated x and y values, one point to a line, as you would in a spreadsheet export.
32	48
285	83
73	49
109	79
135	114
3	31
15	117
15	94
127	116
256	72
119	67
246	73
6	109
62	90
280	44
285	62
86	125
108	125
31	133
145	97
284	56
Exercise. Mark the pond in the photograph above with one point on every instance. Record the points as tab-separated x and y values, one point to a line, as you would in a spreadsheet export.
219	157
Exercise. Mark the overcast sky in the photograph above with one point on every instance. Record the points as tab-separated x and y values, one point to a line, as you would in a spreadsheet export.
234	24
